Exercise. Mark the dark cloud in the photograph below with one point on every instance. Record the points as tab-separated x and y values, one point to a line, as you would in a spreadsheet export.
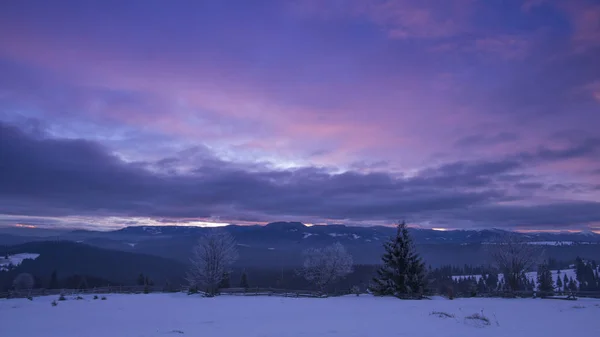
58	177
555	215
486	140
587	148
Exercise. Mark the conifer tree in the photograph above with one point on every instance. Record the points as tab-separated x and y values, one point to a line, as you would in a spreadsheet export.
141	280
559	283
544	278
403	272
224	284
244	281
572	284
566	281
53	281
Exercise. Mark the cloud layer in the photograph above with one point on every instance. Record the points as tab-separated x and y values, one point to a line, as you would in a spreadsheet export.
462	114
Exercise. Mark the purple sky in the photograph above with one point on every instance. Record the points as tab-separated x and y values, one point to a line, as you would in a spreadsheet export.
457	114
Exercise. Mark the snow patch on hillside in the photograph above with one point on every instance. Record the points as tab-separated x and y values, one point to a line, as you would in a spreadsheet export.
530	275
16	260
552	243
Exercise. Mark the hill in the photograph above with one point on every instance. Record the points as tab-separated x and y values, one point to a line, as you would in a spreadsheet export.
70	258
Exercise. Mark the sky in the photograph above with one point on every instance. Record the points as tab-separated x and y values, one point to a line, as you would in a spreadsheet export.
448	114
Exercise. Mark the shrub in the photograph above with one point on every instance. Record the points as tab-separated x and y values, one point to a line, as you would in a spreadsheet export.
95	297
192	290
62	297
54	303
24	281
78	297
355	290
30	298
103	298
441	314
450	293
480	318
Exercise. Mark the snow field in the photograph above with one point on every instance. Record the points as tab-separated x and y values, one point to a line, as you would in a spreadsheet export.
348	316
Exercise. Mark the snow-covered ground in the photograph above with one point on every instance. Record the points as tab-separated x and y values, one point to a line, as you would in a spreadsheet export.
16	259
350	316
532	275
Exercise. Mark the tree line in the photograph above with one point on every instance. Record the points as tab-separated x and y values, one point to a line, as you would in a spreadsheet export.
402	272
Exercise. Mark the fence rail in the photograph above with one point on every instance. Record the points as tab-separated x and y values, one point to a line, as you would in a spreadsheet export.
156	289
256	292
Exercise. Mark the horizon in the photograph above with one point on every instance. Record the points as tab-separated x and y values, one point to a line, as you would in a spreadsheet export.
307	225
462	114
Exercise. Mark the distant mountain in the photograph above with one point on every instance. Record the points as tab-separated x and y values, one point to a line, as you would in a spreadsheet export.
70	258
280	244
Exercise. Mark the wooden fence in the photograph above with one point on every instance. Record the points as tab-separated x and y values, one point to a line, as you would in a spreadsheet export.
156	289
252	292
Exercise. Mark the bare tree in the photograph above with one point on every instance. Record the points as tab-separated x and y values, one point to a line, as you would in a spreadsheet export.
322	266
23	281
211	259
513	256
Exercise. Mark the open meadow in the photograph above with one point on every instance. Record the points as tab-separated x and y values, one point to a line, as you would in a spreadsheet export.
348	316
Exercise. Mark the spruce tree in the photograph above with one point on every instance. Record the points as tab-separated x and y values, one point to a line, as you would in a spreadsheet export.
566	282
141	280
244	281
224	284
53	281
572	285
544	278
559	283
403	272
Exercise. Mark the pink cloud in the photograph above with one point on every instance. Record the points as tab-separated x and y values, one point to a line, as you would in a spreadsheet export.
584	16
419	19
399	19
505	46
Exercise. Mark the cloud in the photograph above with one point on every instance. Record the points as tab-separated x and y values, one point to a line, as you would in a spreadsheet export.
486	139
398	19
297	109
556	215
588	148
44	176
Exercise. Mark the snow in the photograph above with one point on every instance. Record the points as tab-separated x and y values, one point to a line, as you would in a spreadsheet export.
306	235
16	260
552	243
355	237
152	230
348	316
131	244
271	248
531	275
335	235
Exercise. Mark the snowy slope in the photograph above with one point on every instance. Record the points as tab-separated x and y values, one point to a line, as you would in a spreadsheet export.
16	260
350	316
531	275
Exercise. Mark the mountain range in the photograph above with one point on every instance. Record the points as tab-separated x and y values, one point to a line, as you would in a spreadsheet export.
280	244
